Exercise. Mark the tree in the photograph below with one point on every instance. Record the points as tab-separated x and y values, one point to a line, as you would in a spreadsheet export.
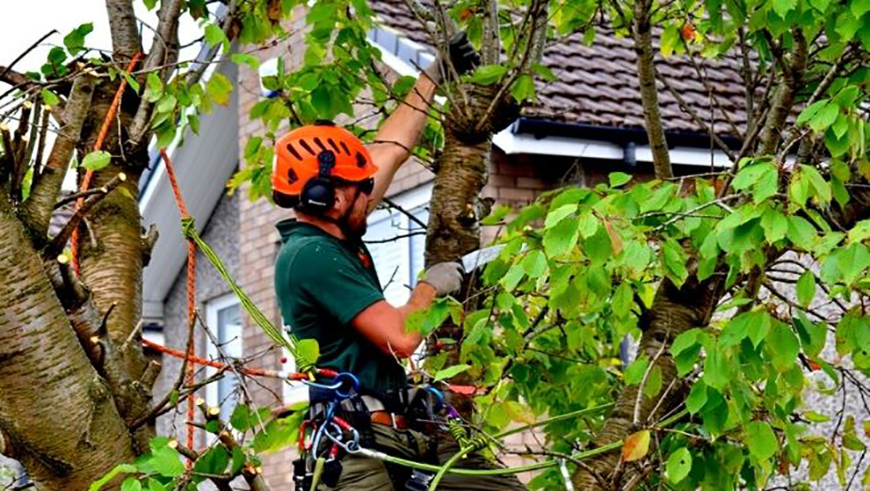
581	267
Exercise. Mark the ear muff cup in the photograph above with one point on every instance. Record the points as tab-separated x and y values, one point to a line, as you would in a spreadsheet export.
318	195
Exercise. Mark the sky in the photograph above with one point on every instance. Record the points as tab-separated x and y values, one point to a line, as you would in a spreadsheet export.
24	22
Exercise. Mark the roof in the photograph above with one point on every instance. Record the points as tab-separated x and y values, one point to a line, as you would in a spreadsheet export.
598	84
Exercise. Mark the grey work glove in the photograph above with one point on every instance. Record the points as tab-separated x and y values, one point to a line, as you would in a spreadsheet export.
462	55
446	278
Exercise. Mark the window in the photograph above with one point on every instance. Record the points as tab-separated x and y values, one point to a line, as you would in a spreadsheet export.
397	243
225	322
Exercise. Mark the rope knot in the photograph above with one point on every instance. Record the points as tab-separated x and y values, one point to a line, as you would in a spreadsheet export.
187	227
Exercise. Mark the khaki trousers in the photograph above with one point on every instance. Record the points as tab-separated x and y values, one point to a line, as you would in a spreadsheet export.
363	474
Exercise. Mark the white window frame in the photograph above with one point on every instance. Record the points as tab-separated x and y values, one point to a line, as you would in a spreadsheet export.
212	308
408	200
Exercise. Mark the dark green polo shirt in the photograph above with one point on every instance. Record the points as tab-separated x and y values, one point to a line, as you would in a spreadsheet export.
322	283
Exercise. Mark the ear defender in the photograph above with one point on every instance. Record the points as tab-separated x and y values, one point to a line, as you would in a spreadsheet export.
318	195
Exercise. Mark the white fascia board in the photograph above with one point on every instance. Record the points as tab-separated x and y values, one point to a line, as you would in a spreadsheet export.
512	143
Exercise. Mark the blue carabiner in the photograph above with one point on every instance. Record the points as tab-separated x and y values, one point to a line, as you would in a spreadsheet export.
340	381
438	395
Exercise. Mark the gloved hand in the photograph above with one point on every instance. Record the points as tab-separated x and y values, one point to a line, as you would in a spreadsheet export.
446	278
462	55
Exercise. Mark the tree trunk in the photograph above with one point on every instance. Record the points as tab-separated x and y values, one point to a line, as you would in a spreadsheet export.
55	410
674	311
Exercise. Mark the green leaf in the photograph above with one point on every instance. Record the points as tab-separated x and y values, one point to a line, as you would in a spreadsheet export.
561	238
513	277
559	214
246	59
782	347
219	88
806	288
800	232
815	417
761	440
618	179
824	117
488	74
587	225
153	88
307	352
782	7
111	475
623	299
75	40
670	39
214	35
679	465
131	484
535	263
523	88
634	372
697	397
822	188
717	368
450	372
850	438
96	160
808	113
150	4
653	383
241	417
49	98
167	462
775	226
544	72
215	461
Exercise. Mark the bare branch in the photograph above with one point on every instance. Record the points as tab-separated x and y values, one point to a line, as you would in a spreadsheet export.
37	209
490	47
691	112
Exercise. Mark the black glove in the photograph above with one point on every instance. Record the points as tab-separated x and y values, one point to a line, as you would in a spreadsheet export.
462	55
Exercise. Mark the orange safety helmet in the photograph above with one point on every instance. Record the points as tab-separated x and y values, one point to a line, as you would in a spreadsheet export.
318	152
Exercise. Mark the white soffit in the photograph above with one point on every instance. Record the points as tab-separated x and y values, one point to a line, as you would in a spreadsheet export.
511	143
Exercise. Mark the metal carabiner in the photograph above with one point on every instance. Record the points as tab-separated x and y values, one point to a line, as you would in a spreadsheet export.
341	380
351	447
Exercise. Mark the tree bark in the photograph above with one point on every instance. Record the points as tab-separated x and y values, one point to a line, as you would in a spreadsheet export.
649	97
46	381
674	311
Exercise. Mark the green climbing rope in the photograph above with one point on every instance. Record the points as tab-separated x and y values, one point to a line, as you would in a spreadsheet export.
303	363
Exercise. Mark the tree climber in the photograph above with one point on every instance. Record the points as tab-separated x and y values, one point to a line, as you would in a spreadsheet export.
328	290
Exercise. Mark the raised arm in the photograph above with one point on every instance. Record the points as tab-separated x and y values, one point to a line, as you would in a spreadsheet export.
400	132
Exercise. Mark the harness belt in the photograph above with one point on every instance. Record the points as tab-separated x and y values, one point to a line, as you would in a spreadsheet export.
375	407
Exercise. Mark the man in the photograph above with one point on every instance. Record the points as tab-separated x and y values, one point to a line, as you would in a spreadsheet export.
327	286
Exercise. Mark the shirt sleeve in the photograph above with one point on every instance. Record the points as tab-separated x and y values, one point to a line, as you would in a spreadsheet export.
330	278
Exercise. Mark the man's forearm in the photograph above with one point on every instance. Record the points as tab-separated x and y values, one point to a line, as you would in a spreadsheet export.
399	134
421	298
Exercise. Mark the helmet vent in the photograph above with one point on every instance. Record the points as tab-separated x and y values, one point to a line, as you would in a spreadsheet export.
291	176
360	160
292	149
344	146
307	147
320	144
333	145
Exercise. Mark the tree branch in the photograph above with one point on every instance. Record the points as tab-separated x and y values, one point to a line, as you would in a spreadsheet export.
164	50
122	22
37	209
648	94
782	105
691	112
59	241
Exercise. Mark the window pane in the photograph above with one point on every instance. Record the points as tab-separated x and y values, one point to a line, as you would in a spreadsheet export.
229	334
390	258
418	244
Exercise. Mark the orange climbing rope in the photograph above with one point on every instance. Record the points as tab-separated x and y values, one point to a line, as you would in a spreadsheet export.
191	292
98	145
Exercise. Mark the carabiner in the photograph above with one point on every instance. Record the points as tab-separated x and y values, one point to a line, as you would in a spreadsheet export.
342	380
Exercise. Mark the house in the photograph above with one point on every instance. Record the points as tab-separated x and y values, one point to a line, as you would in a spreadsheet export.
587	124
